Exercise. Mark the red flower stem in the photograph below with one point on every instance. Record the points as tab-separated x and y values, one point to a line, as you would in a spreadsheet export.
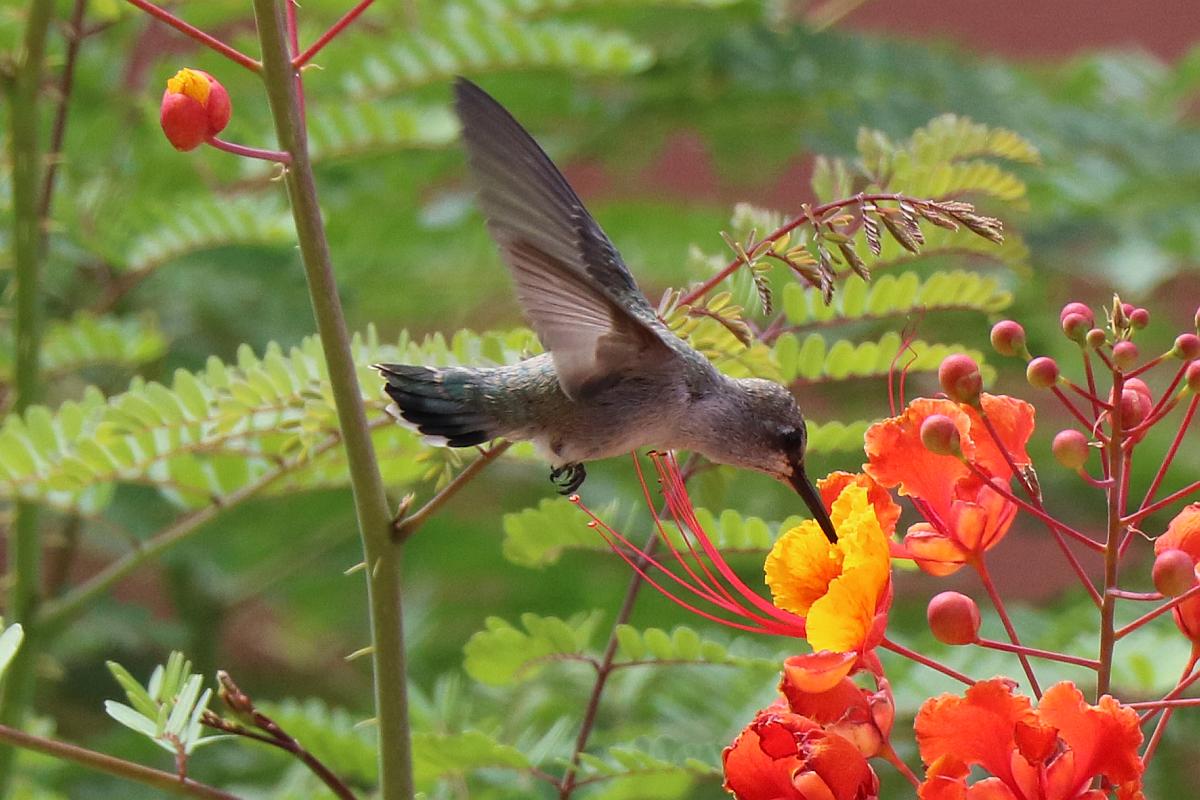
1146	511
1033	497
1162	470
1179	689
1096	402
277	156
1099	483
1116	464
936	666
205	39
337	27
1149	365
1148	596
1049	655
292	28
1083	538
998	602
1168	707
888	754
1166	704
1149	615
1091	382
1107	361
810	216
1075	412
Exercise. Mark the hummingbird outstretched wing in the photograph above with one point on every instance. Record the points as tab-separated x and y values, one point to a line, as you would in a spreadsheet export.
575	289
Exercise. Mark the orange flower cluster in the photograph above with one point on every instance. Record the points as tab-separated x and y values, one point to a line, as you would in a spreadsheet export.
1052	753
964	515
811	745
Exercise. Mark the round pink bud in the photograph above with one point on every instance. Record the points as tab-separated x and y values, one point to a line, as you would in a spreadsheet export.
1138	385
1173	572
1187	346
1135	407
953	618
1096	338
1125	354
195	107
1076	326
1192	376
1071	449
1042	372
1079	309
1008	337
940	435
960	378
1127	309
1139	318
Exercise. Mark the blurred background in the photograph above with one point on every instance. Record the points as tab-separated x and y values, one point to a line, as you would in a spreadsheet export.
664	115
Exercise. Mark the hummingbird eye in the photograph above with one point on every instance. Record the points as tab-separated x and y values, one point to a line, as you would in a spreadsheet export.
792	440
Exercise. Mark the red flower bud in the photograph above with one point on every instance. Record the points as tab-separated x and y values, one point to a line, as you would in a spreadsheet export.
953	618
1042	372
1076	308
960	378
1173	572
1192	376
940	435
1127	309
195	107
1096	338
1125	354
1076	326
1008	337
1071	449
1135	407
1139	318
1187	346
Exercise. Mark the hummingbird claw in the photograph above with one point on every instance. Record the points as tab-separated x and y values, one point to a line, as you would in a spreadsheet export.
568	478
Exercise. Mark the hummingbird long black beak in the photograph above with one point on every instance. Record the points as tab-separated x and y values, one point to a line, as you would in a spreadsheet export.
812	498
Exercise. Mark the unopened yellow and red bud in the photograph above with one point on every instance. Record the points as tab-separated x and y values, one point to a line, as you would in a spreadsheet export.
960	378
953	618
1008	338
940	435
195	107
1042	372
1071	448
1125	354
1173	572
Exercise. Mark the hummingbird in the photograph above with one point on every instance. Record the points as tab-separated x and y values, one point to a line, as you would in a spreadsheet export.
613	378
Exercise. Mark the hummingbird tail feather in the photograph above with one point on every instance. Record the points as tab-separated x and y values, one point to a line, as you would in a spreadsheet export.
444	405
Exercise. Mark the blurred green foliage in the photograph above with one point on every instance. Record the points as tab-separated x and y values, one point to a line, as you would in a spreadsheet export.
179	269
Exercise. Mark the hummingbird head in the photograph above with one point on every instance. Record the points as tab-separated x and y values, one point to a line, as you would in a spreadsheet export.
764	430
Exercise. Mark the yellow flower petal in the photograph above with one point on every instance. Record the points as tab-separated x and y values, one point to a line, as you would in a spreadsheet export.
800	567
841	619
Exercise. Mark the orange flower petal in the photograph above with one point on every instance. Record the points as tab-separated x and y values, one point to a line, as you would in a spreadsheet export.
1013	421
976	729
896	456
946	779
1105	738
842	768
933	552
815	674
1183	533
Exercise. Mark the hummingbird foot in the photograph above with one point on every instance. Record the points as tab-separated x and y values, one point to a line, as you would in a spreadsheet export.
568	478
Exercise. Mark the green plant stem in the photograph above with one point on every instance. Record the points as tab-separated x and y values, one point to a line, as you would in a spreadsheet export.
1114	452
382	556
164	781
24	547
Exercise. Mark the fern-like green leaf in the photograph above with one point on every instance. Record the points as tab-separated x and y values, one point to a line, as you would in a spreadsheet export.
87	341
203	224
685	645
503	654
351	129
649	769
438	755
896	295
482	45
814	359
